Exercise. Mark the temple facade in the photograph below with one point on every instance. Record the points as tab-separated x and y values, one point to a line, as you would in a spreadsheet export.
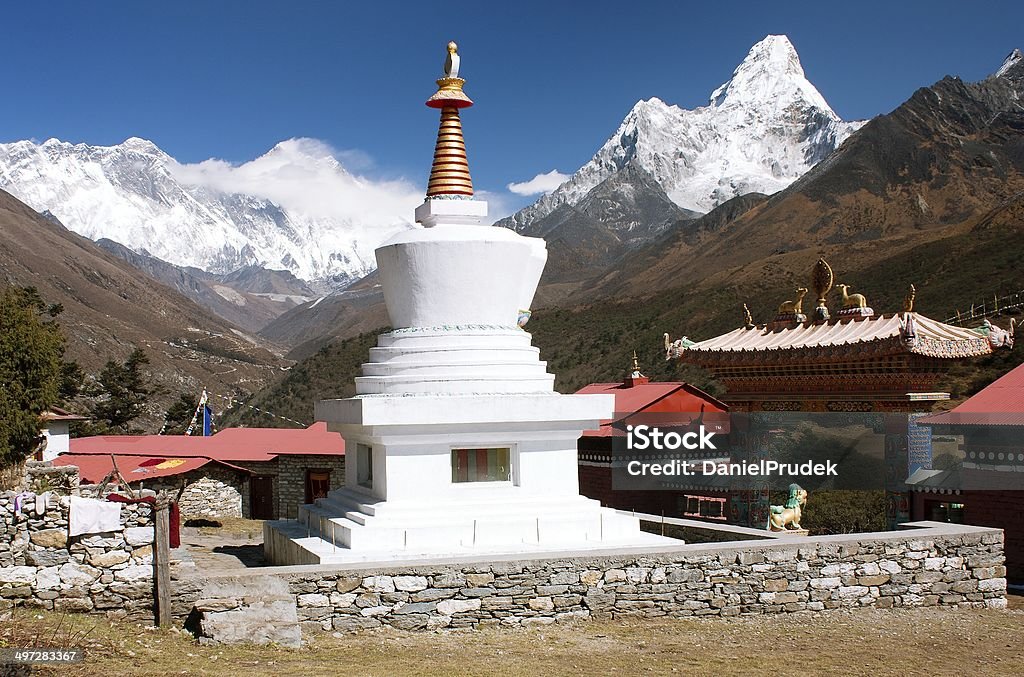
851	360
638	399
986	486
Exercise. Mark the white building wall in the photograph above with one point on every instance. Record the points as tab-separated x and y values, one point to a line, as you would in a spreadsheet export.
58	439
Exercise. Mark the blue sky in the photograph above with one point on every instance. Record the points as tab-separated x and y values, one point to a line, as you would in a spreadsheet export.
551	80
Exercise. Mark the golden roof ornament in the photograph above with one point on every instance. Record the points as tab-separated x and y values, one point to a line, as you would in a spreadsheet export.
790	313
821	281
854	305
748	319
635	377
908	302
636	367
449	173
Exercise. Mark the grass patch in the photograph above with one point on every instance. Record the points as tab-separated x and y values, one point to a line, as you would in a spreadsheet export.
868	641
235	526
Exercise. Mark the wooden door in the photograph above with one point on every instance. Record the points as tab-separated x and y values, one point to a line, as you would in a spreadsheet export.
318	483
262	497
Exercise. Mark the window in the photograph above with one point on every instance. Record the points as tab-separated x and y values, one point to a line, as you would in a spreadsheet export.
708	507
482	465
318	483
364	465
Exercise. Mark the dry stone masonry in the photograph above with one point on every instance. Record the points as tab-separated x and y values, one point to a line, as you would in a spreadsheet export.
40	567
208	492
945	565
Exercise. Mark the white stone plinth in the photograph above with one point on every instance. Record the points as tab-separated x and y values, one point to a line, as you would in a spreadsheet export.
451	211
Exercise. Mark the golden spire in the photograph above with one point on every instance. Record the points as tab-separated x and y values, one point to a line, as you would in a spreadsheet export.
449	175
908	302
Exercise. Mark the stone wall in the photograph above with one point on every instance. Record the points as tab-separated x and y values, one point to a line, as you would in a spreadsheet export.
41	567
933	564
210	492
289	473
292	479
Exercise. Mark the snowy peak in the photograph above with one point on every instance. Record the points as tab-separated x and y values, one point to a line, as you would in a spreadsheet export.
1011	60
762	130
771	74
295	208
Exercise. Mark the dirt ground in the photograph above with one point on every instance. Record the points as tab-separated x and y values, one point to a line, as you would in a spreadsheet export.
863	642
235	544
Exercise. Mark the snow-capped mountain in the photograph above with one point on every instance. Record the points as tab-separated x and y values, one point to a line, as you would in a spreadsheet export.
761	130
294	208
1011	60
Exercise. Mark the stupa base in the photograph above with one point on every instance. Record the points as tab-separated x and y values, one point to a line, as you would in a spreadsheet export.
344	529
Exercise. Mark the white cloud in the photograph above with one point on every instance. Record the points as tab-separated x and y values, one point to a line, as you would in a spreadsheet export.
309	177
542	183
499	205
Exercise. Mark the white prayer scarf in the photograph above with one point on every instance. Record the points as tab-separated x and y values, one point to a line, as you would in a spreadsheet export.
89	516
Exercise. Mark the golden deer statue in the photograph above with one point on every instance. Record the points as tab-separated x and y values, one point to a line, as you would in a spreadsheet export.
794	307
852	300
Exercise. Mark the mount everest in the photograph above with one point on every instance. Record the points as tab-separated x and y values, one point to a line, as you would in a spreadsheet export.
295	208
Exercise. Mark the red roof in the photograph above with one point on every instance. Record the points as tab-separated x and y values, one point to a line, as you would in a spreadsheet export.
94	467
228	445
999	403
657	397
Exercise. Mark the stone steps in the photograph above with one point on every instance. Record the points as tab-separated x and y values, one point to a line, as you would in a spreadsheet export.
345	520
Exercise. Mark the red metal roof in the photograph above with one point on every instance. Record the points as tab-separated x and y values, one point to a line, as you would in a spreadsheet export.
657	397
999	403
228	445
94	467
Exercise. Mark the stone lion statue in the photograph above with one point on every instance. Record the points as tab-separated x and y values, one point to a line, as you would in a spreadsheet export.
787	517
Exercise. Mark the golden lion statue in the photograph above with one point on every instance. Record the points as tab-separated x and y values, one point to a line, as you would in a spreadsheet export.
780	517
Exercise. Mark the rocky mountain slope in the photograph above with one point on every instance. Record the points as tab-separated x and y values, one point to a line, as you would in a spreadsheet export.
110	308
249	297
929	170
305	213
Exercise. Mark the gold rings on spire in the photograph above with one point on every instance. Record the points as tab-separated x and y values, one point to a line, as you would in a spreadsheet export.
449	174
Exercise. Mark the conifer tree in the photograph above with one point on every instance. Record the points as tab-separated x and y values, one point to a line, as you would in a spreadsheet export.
180	414
121	392
33	375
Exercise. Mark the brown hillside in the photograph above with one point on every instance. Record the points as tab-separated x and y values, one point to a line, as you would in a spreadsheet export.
110	308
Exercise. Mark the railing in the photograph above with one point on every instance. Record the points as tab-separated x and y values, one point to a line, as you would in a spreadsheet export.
998	306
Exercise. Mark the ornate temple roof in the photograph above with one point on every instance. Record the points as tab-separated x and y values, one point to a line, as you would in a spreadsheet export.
901	332
854	331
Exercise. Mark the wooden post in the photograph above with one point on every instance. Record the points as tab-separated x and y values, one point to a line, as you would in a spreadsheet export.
162	558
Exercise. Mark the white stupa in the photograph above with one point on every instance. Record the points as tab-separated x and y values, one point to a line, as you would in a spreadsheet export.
456	442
